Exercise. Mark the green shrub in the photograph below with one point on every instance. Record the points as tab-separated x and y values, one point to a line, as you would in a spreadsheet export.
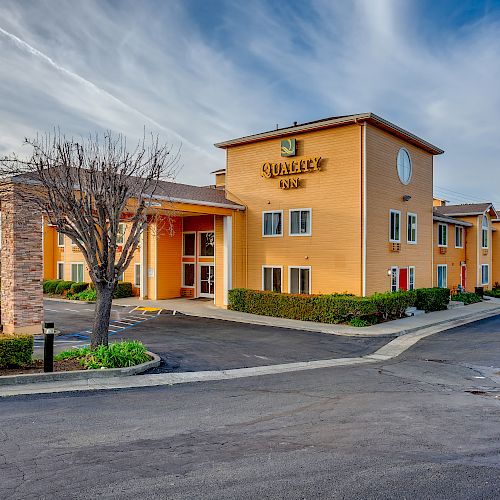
87	295
432	299
123	289
78	287
118	355
492	293
467	298
15	350
360	323
50	286
63	286
393	305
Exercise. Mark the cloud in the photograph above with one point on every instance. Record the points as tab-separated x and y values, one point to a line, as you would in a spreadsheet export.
200	73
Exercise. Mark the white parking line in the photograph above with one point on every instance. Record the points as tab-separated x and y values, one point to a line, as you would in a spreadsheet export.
72	310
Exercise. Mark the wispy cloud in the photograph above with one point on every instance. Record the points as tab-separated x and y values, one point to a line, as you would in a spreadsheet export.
202	72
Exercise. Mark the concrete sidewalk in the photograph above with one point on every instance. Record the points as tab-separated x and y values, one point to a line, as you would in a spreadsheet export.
206	309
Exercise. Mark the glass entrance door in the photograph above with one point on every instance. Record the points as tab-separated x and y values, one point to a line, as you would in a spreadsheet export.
207	280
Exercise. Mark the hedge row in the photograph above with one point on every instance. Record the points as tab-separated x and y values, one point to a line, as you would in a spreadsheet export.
16	350
71	288
336	308
467	298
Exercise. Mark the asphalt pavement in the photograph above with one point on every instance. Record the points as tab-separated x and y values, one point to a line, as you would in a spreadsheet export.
424	425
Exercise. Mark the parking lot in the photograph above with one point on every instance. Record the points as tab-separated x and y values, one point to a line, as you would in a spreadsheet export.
189	343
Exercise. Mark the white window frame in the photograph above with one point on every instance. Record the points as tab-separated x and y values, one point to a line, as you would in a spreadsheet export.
195	244
59	244
485	229
411	270
309	233
398	213
395	268
278	235
71	270
445	266
442	224
405	182
459	229
199	245
183	273
120	236
483	266
272	267
137	265
290	276
408	215
58	263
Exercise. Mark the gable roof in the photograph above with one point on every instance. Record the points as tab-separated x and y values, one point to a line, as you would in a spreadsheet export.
465	209
450	220
334	122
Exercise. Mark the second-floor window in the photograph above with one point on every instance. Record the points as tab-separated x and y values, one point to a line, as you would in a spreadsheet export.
60	239
412	228
442	235
484	232
395	226
272	223
120	237
300	222
459	237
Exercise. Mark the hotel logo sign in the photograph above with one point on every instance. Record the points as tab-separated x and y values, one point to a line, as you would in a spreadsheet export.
283	169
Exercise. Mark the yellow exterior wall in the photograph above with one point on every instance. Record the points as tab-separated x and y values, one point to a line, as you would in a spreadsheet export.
452	258
219	261
169	256
495	254
334	195
385	192
49	242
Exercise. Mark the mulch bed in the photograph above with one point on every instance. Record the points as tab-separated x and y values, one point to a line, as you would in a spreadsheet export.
67	365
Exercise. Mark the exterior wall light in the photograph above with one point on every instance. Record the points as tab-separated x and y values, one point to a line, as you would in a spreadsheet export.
406	197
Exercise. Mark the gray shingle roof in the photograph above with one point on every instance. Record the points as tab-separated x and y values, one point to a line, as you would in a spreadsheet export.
463	210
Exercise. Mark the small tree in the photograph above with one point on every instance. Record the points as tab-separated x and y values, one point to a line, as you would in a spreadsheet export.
85	189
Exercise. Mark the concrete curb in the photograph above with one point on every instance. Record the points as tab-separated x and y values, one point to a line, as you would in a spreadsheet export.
35	378
391	350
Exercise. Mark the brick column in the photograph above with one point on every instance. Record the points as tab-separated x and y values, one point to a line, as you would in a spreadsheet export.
22	263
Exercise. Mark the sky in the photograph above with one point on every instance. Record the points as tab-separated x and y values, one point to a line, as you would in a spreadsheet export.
199	72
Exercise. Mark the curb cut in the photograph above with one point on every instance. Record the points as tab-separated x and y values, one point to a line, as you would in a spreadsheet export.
34	378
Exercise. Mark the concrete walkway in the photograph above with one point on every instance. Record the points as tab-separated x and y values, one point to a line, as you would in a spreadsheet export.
390	350
207	309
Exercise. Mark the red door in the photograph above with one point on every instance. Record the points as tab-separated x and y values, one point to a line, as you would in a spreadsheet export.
463	272
403	278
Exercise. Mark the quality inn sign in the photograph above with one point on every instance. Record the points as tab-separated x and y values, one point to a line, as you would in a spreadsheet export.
292	167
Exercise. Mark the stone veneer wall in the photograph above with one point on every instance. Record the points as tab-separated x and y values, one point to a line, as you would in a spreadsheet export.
22	263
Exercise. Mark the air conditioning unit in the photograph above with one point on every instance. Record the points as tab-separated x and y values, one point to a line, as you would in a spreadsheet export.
443	249
485	251
395	247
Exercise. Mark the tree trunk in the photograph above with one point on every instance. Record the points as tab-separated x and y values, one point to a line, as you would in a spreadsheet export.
99	335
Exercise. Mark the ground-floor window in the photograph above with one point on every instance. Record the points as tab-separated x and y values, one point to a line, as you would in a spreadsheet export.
299	280
77	271
485	274
137	275
187	274
442	275
411	278
271	278
60	270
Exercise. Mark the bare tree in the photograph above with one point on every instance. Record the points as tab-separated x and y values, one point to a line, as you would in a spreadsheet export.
86	189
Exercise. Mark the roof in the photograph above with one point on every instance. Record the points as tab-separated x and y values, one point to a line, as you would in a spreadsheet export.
219	171
465	209
450	220
336	121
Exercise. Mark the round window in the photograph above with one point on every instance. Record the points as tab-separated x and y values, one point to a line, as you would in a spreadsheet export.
404	166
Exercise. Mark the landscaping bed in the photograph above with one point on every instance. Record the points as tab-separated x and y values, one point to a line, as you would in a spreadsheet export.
82	291
36	366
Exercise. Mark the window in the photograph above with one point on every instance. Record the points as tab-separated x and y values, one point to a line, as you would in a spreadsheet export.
442	275
272	223
188	274
394	279
271	279
411	278
137	275
300	222
404	166
395	226
60	239
77	271
412	228
442	235
459	237
485	274
60	270
485	232
299	280
120	235
121	277
188	244
207	244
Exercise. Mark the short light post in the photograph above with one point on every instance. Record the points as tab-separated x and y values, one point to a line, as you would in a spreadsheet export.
49	333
